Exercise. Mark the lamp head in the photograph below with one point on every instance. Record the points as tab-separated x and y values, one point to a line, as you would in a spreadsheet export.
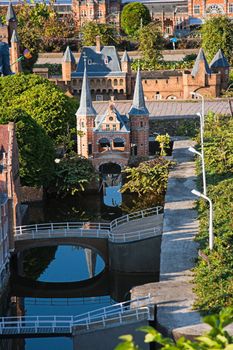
196	193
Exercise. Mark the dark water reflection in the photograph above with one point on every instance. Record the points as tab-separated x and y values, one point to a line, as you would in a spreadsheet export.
66	264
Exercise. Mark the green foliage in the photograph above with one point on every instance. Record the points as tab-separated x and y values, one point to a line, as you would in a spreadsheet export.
133	16
164	141
176	127
216	338
151	43
217	33
40	99
149	177
90	30
217	270
154	64
36	151
73	174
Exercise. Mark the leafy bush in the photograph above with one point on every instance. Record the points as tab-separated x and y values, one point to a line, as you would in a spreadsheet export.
216	338
133	16
213	276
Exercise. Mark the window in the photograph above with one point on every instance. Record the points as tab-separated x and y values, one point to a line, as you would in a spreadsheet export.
89	61
100	14
99	98
106	60
115	82
141	124
107	127
114	127
111	119
196	9
230	8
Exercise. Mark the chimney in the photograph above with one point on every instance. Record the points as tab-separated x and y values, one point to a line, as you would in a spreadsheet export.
98	48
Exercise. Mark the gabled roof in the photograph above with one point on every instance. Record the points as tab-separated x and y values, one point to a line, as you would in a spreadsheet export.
125	57
85	107
138	107
105	62
14	38
123	120
200	58
10	15
68	56
219	60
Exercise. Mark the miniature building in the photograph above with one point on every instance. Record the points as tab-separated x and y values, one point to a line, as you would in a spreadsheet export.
110	137
9	195
9	37
100	11
111	77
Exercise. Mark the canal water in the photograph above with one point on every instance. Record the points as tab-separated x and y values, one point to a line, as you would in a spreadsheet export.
42	269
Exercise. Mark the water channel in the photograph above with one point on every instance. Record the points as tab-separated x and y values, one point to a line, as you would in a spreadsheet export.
45	268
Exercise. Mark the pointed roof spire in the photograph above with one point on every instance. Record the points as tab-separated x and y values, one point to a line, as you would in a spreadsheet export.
10	15
14	38
219	60
138	107
85	108
125	57
200	57
68	56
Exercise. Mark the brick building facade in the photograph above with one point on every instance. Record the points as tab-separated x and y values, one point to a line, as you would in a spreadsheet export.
99	11
10	215
111	77
111	137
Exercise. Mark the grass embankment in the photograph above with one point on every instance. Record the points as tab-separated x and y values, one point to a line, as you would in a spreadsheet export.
214	275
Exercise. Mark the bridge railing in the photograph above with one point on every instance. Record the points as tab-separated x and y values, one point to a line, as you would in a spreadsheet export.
135	216
134	236
121	312
61	227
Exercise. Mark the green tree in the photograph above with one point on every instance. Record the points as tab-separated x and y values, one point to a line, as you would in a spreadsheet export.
151	43
73	174
149	177
217	33
216	338
40	99
36	151
133	16
90	30
164	143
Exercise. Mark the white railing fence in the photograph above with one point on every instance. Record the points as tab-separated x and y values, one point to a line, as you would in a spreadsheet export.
90	229
135	216
122	312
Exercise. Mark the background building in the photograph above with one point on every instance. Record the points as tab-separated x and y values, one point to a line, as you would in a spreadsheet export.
10	215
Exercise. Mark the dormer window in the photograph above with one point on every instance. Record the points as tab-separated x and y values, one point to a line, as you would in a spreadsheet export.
106	60
111	119
89	61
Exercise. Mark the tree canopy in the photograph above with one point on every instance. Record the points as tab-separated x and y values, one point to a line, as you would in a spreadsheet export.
217	33
133	16
90	30
73	173
40	99
151	43
36	150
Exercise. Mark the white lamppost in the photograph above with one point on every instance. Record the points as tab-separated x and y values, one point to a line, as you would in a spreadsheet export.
211	234
201	116
200	154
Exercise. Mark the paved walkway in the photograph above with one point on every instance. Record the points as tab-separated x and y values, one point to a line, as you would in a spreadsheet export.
150	222
173	294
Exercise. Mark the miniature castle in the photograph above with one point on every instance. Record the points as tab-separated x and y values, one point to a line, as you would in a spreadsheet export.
9	38
111	77
112	137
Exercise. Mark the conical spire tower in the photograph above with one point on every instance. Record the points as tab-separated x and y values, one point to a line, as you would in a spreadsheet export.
85	108
138	107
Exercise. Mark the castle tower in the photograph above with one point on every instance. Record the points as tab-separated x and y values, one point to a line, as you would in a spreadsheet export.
219	64
125	63
68	65
11	21
139	119
201	67
14	53
86	115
